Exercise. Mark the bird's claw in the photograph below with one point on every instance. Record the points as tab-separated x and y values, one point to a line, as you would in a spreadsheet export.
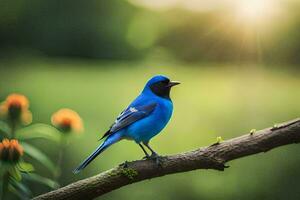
146	157
124	164
157	159
154	155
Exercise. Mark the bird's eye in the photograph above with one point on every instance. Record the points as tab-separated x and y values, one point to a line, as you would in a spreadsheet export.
165	81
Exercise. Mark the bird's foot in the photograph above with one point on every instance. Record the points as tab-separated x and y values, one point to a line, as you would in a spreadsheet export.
158	159
124	164
146	157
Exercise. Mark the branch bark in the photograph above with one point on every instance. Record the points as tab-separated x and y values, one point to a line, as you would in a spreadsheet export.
211	157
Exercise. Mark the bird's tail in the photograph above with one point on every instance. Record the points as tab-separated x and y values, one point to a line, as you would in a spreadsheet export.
108	142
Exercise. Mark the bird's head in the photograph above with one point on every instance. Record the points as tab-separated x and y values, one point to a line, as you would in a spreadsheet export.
160	85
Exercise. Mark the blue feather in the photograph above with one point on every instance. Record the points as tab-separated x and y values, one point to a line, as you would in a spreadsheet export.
108	141
144	118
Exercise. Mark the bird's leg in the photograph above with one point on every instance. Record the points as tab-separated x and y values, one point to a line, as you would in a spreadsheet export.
145	152
154	155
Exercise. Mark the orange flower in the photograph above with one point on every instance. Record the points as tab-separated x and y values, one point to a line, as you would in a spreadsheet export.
17	100
10	150
15	108
67	120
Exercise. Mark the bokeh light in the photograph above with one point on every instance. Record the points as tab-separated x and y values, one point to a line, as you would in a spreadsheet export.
256	11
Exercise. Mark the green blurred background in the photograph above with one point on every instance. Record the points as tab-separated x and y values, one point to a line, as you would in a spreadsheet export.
238	62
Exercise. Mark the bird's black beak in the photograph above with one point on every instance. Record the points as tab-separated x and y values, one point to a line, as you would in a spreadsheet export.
173	83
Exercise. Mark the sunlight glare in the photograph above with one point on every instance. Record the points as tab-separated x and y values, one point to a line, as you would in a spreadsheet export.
254	11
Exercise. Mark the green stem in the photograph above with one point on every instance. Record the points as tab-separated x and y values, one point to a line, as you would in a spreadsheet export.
62	149
13	127
4	188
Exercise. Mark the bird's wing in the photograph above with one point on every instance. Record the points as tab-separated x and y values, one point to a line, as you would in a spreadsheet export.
129	116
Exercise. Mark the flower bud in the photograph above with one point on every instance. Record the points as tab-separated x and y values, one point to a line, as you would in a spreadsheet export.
67	120
10	150
15	109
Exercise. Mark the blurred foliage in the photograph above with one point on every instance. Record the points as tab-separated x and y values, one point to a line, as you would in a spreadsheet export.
67	28
15	173
13	168
119	29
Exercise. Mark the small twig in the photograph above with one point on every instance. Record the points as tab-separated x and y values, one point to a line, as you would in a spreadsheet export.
62	148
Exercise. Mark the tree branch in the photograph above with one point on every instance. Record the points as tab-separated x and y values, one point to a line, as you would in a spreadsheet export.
211	157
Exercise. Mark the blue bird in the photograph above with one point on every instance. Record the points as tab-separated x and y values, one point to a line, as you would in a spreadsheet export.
144	118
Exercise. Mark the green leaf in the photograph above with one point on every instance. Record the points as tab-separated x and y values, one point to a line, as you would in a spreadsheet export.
39	131
4	128
39	156
15	191
15	173
4	168
43	180
25	167
19	187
